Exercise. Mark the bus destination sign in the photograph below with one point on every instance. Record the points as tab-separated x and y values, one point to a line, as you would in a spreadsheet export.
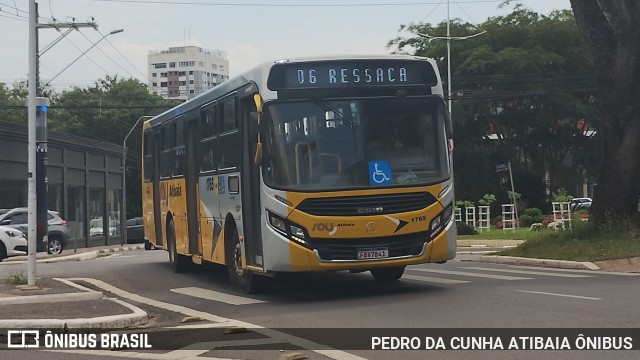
346	74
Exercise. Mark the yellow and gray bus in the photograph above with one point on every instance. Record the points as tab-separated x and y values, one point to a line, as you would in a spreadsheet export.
307	164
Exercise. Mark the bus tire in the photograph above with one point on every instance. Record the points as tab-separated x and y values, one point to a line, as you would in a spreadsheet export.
387	274
244	279
179	263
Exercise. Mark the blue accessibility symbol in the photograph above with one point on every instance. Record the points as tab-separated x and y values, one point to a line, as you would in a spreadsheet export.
379	172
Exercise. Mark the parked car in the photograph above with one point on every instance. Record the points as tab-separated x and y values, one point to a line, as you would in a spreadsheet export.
96	228
12	242
580	204
135	230
58	234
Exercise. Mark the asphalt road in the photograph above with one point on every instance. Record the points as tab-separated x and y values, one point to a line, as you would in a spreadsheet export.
459	294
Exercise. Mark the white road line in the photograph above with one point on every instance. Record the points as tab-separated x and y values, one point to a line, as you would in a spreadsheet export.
216	296
433	280
303	343
528	272
562	295
593	272
464	273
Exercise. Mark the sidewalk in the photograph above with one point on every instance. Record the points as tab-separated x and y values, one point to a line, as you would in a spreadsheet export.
58	303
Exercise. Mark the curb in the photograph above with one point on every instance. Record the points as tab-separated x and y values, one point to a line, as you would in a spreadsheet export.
562	264
50	298
88	255
136	318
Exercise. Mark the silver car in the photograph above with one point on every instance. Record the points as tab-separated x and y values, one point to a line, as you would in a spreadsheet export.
58	233
12	242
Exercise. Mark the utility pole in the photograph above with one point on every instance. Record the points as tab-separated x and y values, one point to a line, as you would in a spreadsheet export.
448	37
31	176
37	147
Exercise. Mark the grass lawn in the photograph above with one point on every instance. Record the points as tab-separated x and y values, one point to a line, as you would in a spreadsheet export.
583	243
495	234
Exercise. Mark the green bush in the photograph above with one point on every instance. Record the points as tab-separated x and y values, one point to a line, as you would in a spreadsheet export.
531	216
464	229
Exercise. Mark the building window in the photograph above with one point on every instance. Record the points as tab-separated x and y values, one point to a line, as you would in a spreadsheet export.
159	66
154	75
182	73
163	84
155	84
192	91
190	81
187	63
163	74
191	72
172	64
214	66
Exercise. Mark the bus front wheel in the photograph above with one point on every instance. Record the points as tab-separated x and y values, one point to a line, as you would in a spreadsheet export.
387	274
179	263
244	279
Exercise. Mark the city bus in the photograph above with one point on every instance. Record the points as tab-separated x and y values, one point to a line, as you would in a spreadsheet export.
303	165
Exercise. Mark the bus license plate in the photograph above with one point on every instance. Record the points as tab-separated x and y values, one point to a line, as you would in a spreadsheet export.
375	253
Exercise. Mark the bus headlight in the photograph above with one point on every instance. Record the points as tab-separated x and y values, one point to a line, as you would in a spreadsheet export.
296	231
287	228
440	222
277	223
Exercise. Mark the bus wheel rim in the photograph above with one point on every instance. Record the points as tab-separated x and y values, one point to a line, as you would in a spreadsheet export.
237	259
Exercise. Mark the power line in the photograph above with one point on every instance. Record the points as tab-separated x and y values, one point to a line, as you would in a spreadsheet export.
205	3
145	76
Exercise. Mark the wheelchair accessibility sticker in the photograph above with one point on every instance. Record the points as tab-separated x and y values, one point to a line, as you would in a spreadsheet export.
379	172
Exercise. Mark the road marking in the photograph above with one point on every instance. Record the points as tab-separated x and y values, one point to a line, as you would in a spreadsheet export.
562	295
216	296
526	272
433	280
301	342
577	270
464	273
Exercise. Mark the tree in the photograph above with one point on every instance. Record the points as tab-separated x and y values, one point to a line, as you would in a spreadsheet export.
106	112
522	93
610	32
12	102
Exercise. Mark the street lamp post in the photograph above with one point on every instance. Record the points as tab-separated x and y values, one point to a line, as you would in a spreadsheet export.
123	216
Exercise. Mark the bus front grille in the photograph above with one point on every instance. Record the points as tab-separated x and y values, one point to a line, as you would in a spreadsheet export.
367	204
347	249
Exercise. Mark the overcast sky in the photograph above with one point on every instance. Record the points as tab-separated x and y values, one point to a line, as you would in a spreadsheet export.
250	31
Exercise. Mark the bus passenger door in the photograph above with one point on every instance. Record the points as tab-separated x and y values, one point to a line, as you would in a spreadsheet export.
157	215
191	179
250	186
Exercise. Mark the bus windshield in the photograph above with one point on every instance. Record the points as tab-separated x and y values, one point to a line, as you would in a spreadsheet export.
327	144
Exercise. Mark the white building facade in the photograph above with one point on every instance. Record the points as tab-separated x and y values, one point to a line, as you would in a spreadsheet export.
186	71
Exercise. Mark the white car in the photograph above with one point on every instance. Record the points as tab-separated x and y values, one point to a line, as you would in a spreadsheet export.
12	242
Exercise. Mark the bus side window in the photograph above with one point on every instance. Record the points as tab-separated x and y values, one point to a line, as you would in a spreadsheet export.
208	122
228	112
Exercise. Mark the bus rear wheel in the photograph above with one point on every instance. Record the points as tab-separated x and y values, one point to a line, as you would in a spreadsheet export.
244	279
179	263
387	274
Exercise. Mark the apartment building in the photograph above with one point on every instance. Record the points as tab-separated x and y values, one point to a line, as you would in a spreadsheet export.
186	71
